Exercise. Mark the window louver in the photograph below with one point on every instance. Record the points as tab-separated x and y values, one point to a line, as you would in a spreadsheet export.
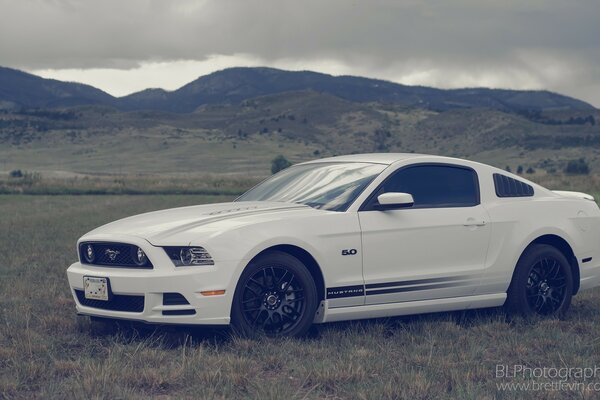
510	187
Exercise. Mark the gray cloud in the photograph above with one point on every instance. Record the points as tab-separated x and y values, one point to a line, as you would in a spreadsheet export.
549	44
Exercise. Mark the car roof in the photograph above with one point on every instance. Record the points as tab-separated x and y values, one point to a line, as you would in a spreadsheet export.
378	158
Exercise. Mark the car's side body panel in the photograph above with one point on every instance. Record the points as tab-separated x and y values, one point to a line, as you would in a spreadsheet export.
518	222
422	254
325	235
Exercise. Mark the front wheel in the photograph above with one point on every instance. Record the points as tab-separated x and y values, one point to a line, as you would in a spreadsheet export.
542	283
276	295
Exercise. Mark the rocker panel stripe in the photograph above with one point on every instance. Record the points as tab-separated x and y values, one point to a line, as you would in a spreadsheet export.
398	286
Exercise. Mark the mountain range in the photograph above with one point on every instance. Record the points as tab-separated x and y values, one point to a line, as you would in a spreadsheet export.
19	89
236	120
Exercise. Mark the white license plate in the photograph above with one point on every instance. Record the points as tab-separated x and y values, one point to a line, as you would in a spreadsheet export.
95	288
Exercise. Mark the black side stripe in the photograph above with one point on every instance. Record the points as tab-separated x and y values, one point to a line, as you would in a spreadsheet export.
416	282
398	286
415	288
586	260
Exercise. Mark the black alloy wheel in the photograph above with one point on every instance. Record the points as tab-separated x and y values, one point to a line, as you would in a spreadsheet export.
546	286
542	283
276	295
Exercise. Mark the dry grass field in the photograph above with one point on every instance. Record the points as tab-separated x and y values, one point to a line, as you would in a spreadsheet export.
47	352
131	184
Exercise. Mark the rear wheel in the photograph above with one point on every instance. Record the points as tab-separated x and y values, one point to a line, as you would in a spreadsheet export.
542	283
276	295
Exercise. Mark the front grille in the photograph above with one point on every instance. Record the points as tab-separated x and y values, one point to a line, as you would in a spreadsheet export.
112	255
118	302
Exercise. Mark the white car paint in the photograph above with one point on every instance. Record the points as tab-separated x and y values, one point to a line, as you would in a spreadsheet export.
457	258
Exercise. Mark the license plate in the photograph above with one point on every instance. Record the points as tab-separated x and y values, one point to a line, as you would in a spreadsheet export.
95	288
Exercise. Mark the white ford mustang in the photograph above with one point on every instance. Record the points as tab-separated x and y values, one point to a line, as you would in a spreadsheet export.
343	238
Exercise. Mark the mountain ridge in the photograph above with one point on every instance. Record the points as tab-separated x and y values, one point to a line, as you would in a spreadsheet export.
19	89
24	89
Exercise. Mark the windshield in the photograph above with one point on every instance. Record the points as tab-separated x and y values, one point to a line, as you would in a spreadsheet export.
327	186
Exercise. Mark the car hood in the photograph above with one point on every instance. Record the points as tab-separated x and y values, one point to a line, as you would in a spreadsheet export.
157	225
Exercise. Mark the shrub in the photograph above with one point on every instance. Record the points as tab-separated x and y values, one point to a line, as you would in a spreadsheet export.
16	173
520	169
530	170
577	167
279	163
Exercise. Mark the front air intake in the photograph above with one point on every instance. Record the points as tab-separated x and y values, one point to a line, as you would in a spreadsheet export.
118	302
176	299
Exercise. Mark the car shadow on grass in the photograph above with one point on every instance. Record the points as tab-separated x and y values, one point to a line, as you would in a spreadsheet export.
168	336
172	336
392	325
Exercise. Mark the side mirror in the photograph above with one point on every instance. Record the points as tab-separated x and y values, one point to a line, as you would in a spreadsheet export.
394	200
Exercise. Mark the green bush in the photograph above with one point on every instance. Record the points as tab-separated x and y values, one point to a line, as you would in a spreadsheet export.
279	163
577	167
16	173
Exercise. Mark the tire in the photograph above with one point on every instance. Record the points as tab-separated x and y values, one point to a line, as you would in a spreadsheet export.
276	295
542	283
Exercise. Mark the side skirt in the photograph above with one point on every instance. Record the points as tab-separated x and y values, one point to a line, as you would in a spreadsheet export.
325	314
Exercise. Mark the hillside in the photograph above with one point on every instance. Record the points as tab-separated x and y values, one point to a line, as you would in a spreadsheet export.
242	138
233	85
236	120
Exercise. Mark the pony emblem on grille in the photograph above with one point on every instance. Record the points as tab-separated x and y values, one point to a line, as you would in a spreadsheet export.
112	254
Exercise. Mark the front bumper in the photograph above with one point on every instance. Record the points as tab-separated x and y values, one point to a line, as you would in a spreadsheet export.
152	284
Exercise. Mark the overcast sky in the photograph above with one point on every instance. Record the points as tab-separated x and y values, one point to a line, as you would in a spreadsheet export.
122	46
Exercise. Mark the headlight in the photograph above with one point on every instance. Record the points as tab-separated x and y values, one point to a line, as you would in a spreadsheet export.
139	257
89	254
189	256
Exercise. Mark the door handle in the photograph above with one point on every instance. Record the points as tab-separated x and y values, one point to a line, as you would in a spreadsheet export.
474	222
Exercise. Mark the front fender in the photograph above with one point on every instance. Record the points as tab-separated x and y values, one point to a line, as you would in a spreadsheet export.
323	237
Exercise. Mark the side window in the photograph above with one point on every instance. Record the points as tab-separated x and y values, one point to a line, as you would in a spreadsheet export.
435	185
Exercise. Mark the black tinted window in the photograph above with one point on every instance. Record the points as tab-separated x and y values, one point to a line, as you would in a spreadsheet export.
435	185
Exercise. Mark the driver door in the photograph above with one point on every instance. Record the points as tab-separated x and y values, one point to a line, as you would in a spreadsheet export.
434	249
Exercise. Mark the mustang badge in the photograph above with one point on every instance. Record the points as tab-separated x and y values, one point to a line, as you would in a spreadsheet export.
112	254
